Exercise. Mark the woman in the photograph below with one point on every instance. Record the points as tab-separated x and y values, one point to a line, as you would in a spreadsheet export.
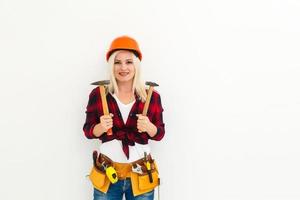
127	149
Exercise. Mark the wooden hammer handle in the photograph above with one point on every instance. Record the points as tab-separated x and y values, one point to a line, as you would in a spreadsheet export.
146	106
104	104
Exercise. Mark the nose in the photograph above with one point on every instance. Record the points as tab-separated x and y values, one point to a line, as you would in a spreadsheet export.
123	66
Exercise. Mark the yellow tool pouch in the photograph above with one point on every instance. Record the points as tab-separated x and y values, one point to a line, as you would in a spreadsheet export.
141	183
98	174
99	180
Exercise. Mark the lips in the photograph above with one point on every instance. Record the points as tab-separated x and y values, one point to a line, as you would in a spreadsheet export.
123	73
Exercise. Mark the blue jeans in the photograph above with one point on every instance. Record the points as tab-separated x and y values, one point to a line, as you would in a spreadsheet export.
117	190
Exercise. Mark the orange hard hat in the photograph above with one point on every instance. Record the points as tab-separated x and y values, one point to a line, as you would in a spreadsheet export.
124	43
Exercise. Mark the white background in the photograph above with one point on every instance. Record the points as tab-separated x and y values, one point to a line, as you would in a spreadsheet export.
229	81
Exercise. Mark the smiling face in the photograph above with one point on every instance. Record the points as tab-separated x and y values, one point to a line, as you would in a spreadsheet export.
124	69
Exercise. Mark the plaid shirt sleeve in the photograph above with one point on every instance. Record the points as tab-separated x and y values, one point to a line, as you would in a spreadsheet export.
92	114
157	118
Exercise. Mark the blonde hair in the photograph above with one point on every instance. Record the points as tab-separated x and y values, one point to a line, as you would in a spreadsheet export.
138	85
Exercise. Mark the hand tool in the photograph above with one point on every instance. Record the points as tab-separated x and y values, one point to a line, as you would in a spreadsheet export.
96	162
148	167
137	168
146	106
102	85
110	173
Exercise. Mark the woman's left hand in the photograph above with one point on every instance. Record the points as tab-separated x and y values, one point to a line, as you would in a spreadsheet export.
144	125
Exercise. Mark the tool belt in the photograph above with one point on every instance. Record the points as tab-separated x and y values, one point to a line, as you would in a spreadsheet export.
143	173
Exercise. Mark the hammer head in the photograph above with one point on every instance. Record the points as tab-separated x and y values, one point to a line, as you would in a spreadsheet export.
151	83
104	82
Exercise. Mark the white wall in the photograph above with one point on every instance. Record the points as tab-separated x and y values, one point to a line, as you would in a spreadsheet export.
229	80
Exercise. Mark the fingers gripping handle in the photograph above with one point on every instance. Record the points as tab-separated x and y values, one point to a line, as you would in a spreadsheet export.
104	105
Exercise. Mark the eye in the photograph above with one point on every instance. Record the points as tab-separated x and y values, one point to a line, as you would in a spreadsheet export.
117	62
129	62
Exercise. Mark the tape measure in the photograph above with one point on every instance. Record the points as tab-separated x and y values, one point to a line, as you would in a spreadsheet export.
111	174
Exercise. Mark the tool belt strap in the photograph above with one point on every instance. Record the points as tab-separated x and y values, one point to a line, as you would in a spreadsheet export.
123	169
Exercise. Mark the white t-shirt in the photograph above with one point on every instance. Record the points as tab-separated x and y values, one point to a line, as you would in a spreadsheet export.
113	149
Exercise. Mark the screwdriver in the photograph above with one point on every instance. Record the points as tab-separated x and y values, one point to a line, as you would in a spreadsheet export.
148	166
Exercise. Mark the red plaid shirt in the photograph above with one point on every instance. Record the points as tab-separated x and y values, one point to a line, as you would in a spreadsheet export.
128	132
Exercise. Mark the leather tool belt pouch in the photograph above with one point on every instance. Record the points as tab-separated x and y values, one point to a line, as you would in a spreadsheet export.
97	175
141	182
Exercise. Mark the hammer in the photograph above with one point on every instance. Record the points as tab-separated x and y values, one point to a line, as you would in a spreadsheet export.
101	85
146	106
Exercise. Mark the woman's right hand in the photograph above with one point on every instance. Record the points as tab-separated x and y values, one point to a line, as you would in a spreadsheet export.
106	122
